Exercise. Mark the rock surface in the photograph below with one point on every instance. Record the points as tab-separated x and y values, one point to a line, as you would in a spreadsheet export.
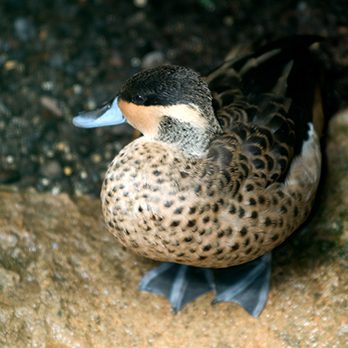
65	282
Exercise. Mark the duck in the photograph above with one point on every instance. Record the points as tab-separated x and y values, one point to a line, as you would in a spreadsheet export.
226	169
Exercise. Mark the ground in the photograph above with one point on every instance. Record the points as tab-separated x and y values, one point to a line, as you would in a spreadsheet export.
58	58
64	281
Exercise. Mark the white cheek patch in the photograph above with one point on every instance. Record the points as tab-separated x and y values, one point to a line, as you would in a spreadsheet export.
186	113
306	168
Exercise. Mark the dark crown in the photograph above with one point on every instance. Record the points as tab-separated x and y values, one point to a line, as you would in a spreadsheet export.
166	85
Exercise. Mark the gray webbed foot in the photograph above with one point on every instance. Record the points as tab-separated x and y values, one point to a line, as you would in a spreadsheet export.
180	284
247	284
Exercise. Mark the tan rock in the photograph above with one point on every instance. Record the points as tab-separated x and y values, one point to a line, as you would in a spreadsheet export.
65	282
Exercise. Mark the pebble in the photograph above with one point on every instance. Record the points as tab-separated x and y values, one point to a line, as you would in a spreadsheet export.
10	65
68	156
61	146
49	153
152	59
68	171
45	181
135	62
140	3
115	59
96	158
9	159
77	89
91	104
51	169
51	105
209	5
47	85
302	6
56	60
24	28
56	190
228	21
4	110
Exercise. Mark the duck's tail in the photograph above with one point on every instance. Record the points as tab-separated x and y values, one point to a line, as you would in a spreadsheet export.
289	68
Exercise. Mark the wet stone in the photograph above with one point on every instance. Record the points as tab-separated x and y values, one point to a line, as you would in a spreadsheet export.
24	28
51	169
152	59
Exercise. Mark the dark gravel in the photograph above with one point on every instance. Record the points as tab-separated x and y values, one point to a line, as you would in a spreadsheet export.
59	57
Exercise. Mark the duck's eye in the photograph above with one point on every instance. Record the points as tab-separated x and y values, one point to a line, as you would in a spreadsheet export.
138	99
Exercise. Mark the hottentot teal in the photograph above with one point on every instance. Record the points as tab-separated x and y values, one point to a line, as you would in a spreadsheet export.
227	168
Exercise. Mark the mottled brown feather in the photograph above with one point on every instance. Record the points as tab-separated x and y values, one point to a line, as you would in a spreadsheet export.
251	188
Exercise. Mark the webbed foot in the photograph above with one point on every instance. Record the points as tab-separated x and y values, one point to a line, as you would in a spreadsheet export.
180	284
247	284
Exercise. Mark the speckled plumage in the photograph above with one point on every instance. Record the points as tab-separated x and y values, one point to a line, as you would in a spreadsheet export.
232	188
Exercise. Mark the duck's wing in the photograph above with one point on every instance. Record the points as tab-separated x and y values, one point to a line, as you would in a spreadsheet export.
265	102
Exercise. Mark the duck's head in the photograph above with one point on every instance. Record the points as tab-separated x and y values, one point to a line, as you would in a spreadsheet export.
168	103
